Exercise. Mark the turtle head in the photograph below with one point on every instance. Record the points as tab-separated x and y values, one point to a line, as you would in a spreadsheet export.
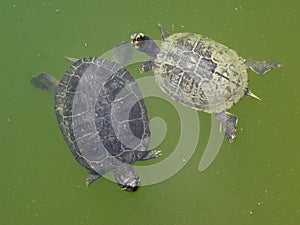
144	44
126	177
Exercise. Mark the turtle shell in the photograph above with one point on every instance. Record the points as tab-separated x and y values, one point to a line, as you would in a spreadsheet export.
102	115
200	73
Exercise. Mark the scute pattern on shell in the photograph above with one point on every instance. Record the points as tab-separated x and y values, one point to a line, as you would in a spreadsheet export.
95	140
200	73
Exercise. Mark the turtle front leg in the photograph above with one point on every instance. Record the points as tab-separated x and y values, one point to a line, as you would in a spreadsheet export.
228	122
146	66
261	67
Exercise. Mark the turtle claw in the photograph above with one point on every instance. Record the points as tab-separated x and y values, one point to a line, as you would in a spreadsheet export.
142	69
230	136
71	59
146	66
150	154
156	153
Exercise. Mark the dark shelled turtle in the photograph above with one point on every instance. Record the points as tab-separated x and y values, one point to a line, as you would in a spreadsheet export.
200	73
103	118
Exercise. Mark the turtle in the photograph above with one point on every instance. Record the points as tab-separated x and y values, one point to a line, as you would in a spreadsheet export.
200	73
103	118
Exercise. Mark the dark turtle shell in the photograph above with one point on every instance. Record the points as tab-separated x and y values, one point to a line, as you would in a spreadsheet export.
103	118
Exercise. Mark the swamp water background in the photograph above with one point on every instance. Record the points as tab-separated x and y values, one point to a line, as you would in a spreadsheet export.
255	180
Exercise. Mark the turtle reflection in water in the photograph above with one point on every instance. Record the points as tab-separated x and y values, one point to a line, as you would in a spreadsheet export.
200	73
103	118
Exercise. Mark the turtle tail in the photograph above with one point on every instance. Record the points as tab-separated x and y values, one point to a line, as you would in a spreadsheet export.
249	93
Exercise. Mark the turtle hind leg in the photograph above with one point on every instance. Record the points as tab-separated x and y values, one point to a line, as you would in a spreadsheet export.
44	81
164	32
92	177
228	122
261	67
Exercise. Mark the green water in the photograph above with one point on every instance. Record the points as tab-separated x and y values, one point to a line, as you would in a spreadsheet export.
255	180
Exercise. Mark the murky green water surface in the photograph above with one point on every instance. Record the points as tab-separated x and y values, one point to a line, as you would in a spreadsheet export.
255	180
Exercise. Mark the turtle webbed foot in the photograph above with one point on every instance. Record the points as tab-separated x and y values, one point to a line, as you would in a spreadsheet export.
228	122
261	67
44	81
